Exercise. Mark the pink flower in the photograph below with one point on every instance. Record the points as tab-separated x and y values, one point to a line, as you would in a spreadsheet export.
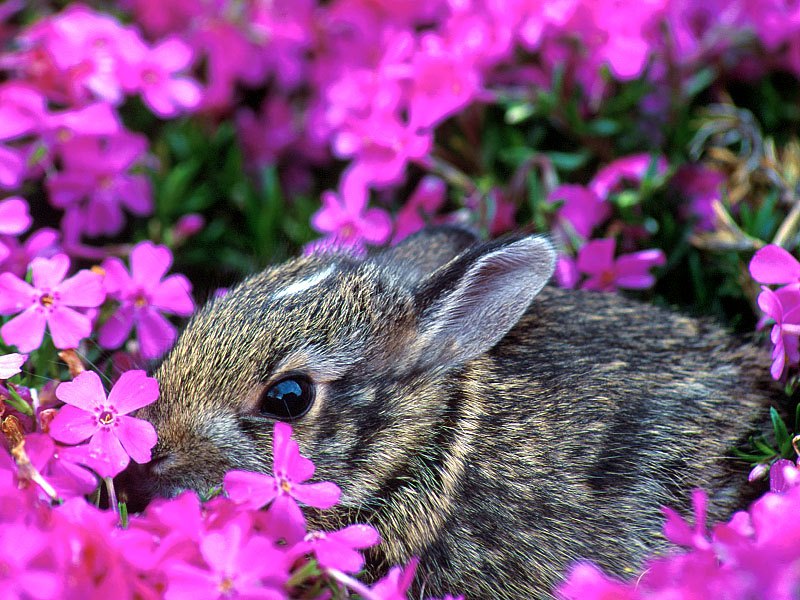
42	242
426	199
678	531
338	549
783	307
396	583
586	582
61	465
582	211
238	565
115	436
290	471
629	168
14	216
566	274
596	259
155	76
345	216
774	265
11	364
47	302
24	575
783	475
143	296
97	170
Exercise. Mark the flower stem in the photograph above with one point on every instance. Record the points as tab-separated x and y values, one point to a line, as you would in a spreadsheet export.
355	585
112	494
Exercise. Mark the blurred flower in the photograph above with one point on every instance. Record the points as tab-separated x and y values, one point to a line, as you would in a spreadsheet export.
631	271
24	575
783	474
47	302
678	531
783	307
11	364
774	265
632	168
585	581
61	465
582	210
396	583
237	566
97	170
143	296
702	186
188	225
345	216
14	216
115	436
425	200
566	273
42	242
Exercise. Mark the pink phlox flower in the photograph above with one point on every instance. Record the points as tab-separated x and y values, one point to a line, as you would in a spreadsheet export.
631	271
678	531
346	216
536	16
629	168
442	82
267	135
338	549
144	295
585	581
15	217
97	170
27	572
774	265
290	472
47	303
115	436
60	465
11	364
426	199
783	307
566	274
381	146
42	242
22	109
239	564
396	583
156	77
582	210
95	119
783	474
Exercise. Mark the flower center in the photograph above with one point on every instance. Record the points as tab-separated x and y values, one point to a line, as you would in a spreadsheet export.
607	277
225	586
150	77
285	485
46	300
106	417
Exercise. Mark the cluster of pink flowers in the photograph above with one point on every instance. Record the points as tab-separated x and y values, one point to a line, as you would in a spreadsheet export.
753	556
178	547
369	82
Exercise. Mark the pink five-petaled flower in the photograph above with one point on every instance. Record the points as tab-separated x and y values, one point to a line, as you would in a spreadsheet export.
239	566
346	218
782	306
338	549
291	470
596	259
47	302
143	296
11	364
115	436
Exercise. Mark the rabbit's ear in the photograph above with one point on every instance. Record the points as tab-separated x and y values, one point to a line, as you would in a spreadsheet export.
421	254
469	305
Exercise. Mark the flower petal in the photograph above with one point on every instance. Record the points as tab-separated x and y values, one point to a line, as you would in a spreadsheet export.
84	289
116	330
85	391
149	263
156	334
137	437
14	216
68	327
596	256
774	265
49	272
111	456
15	294
319	495
173	295
134	389
72	425
26	330
251	490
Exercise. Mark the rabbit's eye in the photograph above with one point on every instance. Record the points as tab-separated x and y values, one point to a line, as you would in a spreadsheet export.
287	399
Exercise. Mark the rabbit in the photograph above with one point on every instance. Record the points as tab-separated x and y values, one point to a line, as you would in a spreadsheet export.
497	427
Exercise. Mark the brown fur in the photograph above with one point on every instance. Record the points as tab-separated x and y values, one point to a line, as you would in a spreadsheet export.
559	442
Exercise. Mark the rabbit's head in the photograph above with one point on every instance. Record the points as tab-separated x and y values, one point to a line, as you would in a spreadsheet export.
355	353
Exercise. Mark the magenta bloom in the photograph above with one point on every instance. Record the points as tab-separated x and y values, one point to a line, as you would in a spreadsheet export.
339	549
239	566
629	168
42	242
23	575
155	76
11	364
345	216
143	296
582	211
774	265
14	216
290	471
427	198
96	184
631	271
61	465
783	307
115	436
586	582
47	302
679	532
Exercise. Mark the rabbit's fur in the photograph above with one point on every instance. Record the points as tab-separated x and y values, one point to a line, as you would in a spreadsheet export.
494	427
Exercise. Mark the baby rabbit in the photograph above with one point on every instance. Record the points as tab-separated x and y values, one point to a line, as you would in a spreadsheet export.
496	427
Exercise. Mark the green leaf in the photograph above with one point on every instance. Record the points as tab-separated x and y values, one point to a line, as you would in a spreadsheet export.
569	161
782	437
